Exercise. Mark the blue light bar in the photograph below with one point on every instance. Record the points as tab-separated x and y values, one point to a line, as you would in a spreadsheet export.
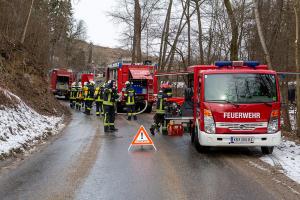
251	63
223	63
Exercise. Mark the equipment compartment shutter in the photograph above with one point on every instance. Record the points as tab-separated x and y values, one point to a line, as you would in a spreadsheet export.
140	74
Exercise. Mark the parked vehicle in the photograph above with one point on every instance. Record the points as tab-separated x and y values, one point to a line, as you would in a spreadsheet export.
142	79
61	80
233	104
86	78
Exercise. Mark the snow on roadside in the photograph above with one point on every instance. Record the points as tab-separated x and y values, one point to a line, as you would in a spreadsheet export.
287	157
21	125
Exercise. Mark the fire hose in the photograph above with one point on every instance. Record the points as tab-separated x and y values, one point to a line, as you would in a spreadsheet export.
146	105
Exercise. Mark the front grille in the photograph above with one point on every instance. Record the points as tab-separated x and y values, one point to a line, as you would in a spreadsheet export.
245	126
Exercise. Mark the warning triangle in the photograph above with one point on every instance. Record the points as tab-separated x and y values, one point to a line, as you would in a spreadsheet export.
142	138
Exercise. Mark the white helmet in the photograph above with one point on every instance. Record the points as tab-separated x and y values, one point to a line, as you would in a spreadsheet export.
92	82
127	83
73	84
79	84
85	83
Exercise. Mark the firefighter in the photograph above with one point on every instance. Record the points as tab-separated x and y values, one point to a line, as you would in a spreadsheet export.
85	92
129	95
109	98
160	112
167	89
102	88
98	96
73	95
79	97
89	97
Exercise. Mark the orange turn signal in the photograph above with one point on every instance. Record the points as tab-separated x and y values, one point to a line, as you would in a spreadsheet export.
275	113
207	113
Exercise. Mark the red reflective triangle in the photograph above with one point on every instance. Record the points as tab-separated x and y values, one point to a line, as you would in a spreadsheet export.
142	137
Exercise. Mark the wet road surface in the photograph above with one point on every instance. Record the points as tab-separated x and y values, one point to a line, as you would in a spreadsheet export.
86	163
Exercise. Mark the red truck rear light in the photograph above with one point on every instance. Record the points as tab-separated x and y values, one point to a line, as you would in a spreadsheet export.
273	124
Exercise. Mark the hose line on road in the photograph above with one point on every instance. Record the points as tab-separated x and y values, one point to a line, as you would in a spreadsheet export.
146	105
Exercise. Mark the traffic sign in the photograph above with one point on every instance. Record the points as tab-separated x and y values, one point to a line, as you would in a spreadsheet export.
141	138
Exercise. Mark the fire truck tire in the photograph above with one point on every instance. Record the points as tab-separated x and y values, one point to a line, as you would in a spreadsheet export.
198	146
267	150
192	136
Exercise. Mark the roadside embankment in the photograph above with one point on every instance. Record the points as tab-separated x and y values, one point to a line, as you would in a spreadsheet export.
28	110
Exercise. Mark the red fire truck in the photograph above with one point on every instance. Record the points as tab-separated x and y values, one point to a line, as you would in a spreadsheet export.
234	104
61	80
86	78
142	79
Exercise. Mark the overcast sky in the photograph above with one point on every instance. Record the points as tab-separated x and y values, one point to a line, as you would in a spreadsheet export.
101	30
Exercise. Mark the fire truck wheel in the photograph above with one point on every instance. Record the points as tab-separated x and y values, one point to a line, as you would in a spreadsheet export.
267	150
192	136
198	146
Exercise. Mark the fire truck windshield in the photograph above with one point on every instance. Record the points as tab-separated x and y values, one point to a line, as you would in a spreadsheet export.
240	88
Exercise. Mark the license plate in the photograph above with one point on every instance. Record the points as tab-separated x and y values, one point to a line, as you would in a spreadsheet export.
242	140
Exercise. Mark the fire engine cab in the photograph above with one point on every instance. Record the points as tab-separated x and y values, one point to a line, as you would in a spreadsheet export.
142	79
234	104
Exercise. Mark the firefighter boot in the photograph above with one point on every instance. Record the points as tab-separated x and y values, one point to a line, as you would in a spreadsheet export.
134	117
129	118
106	129
152	130
113	128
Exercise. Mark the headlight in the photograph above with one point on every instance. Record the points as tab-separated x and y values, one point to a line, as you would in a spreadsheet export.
273	122
209	123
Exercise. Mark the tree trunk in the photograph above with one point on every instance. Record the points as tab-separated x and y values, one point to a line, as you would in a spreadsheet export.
188	19
296	10
174	45
285	110
165	37
261	35
234	30
137	49
199	31
27	22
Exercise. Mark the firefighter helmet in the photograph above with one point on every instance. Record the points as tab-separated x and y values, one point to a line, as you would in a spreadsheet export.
92	82
73	84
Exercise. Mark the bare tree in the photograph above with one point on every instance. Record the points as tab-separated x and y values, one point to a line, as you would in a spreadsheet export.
261	35
200	41
136	46
296	10
234	31
165	36
27	22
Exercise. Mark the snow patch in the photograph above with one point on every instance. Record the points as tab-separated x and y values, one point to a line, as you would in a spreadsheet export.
20	125
286	157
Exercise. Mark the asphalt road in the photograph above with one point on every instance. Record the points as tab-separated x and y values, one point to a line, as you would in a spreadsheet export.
85	163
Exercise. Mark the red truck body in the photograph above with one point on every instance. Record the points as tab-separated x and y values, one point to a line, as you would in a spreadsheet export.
142	79
231	103
86	78
235	105
61	81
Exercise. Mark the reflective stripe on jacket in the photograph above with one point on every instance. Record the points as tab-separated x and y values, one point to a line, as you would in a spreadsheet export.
160	108
107	100
130	96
